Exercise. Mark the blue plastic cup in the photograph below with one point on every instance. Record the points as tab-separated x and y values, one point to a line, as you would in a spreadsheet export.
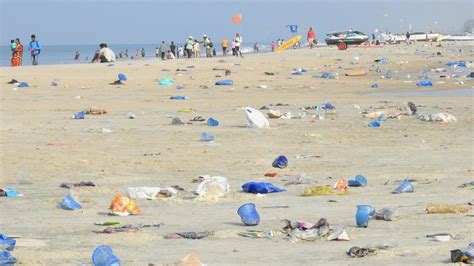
206	136
248	214
280	162
69	203
104	256
374	123
122	77
405	186
382	117
79	115
359	180
212	122
6	243
363	214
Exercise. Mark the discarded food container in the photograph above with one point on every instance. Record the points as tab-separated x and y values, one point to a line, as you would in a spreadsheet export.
206	136
248	214
122	77
225	82
359	180
405	186
364	212
6	243
69	203
214	186
260	188
79	115
179	97
212	122
424	83
104	256
280	162
374	123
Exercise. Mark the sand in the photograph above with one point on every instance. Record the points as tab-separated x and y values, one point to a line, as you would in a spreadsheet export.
43	146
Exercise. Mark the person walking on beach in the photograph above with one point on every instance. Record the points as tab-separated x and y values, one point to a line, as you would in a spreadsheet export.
311	37
196	49
180	52
137	54
163	50
273	46
233	47
256	47
126	53
17	55
157	52
408	37
208	45
143	52
224	44
35	50
238	42
189	46
173	48
76	57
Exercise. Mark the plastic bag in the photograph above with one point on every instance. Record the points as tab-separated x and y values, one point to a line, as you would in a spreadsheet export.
224	82
150	192
213	186
260	188
122	205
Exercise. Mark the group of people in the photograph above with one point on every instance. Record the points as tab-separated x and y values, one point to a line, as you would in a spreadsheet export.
17	48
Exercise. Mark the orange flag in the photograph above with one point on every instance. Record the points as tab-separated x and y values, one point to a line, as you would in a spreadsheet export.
236	19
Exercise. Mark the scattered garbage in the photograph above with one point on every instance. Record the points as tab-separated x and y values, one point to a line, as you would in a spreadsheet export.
122	77
327	75
189	235
94	111
260	234
23	85
225	82
206	136
166	81
308	231
104	256
456	64
123	206
70	203
179	97
356	73
363	214
445	208
10	192
255	117
78	115
78	184
131	115
466	256
296	73
189	260
6	258
212	122
374	123
321	190
443	237
213	186
374	86
405	187
54	83
359	181
387	214
151	193
358	252
437	118
248	214
424	83
6	243
280	162
260	188
13	81
468	185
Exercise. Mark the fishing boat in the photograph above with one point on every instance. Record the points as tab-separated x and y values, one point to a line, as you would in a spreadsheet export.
344	38
414	37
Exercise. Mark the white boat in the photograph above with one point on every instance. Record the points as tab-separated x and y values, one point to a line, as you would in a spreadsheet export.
457	37
414	37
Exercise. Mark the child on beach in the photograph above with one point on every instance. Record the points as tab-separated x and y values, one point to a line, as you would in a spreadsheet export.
12	46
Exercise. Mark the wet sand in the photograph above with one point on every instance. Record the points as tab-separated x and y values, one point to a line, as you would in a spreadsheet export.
43	147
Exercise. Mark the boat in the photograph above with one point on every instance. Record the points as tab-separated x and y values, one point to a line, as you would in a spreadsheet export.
344	38
468	37
414	37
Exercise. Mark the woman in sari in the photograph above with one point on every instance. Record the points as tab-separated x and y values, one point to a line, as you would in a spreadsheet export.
17	54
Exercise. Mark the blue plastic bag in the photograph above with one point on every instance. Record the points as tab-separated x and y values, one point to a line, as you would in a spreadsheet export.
296	73
328	106
122	77
327	75
374	123
456	64
6	258
260	188
6	243
79	115
424	83
224	82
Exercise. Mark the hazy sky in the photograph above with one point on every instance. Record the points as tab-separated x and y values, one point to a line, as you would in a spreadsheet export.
146	21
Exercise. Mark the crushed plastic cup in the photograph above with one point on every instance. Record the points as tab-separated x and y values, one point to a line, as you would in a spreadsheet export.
363	214
6	258
248	214
328	106
328	76
405	187
212	122
79	115
382	117
359	181
206	136
23	85
12	193
6	243
424	83
389	74
104	256
374	86
280	162
179	97
69	203
122	77
374	123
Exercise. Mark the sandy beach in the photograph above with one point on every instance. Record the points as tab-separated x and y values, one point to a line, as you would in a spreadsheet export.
42	147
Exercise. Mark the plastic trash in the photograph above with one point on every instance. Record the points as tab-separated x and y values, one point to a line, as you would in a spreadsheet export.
382	117
374	86
212	122
363	214
150	192
456	64
122	77
12	193
6	258
280	162
104	256
446	208
438	118
23	85
6	243
206	136
260	188
389	74
79	115
225	82
248	214
179	97
378	70
327	75
404	187
123	206
384	60
69	203
255	117
321	190
424	83
387	214
296	73
213	186
166	81
359	181
328	106
374	123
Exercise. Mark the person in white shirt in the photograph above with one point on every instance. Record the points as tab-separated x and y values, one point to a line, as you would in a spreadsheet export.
238	42
106	55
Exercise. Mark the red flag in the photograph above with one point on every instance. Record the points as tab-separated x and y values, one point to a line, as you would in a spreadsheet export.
236	19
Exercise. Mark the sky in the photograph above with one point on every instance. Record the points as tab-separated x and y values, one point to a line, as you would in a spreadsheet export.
148	22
